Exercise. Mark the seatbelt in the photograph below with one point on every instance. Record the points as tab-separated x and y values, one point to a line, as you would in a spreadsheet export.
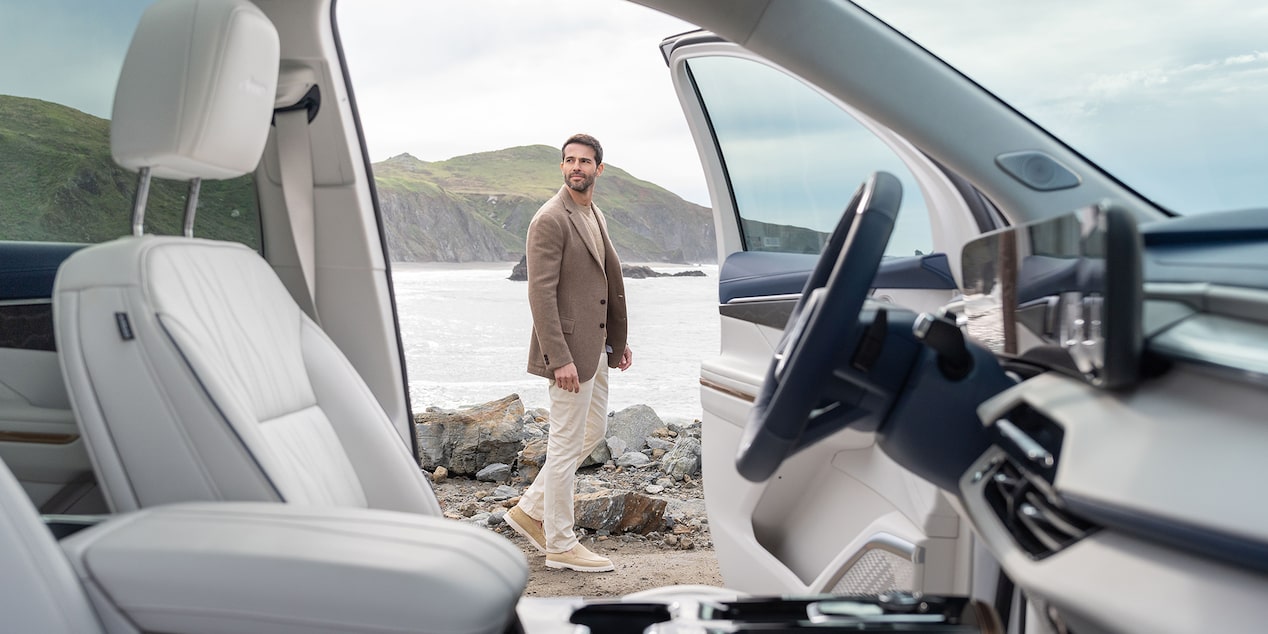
295	161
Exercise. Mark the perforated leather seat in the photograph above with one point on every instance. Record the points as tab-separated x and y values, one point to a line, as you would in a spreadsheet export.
193	373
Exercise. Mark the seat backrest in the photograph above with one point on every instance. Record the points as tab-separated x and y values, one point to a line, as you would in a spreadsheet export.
193	373
41	591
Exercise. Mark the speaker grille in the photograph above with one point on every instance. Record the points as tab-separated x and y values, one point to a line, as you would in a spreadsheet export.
876	571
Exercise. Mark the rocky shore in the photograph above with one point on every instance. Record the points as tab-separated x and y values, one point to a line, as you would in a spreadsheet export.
519	272
641	484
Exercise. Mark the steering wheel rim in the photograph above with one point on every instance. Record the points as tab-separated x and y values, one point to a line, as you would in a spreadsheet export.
823	330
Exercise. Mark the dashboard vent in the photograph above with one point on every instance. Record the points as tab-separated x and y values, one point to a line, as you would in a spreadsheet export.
1037	521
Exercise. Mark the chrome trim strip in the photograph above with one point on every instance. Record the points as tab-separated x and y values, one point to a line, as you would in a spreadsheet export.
788	297
26	302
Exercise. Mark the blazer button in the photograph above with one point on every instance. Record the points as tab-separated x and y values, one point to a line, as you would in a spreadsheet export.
600	325
603	301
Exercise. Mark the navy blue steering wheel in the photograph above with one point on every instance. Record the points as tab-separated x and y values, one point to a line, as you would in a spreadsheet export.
823	332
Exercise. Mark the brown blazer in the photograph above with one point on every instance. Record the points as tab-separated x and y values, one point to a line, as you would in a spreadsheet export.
576	307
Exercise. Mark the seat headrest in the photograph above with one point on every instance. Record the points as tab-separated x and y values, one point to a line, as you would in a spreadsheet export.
195	96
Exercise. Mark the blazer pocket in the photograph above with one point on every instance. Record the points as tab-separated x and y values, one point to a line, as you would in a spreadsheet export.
566	325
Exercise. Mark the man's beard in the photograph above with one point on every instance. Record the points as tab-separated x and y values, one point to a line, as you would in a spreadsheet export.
583	186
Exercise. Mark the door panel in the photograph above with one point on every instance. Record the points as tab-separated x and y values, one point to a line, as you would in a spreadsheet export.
782	161
39	438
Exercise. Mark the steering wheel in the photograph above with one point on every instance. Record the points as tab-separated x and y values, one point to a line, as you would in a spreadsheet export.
823	332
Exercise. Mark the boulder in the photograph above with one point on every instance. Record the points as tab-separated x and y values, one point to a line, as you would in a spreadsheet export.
519	272
467	440
532	458
633	459
683	460
633	425
619	512
496	472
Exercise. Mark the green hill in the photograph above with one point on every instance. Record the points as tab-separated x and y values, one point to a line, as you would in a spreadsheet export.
498	192
58	183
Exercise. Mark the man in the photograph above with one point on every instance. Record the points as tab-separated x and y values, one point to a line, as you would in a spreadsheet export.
577	298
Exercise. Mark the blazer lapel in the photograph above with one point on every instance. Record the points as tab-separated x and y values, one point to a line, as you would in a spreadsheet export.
579	224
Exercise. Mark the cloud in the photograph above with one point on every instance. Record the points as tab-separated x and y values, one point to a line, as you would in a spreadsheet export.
437	82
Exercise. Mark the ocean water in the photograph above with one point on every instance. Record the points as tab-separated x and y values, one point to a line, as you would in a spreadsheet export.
466	330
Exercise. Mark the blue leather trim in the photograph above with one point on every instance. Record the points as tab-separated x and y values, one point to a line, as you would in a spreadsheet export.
27	269
931	271
762	274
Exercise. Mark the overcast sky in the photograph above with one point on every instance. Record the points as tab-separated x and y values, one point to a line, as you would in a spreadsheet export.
1169	101
437	82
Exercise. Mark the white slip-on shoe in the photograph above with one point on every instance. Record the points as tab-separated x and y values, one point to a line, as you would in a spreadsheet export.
580	559
525	525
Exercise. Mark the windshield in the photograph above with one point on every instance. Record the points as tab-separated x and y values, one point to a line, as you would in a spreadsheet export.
1170	100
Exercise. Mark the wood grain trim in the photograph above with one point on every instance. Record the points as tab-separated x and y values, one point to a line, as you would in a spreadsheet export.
717	387
38	438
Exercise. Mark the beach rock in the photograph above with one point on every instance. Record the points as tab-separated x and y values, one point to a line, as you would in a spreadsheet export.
532	458
683	460
619	512
617	446
600	455
681	427
633	425
659	443
519	272
633	459
465	441
496	472
640	272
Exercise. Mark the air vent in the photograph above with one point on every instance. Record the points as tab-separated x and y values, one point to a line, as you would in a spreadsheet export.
1037	522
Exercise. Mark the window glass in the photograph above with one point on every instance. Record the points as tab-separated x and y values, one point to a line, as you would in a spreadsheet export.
794	158
58	182
1169	101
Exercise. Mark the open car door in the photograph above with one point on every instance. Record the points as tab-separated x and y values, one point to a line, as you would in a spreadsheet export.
782	161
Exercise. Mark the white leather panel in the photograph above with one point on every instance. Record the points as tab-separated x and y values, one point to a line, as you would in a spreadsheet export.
216	396
235	323
146	421
195	95
301	454
389	473
39	591
286	568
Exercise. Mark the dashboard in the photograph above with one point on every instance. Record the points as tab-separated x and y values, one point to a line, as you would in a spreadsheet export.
1140	506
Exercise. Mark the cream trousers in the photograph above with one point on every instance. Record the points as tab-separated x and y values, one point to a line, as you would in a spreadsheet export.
578	423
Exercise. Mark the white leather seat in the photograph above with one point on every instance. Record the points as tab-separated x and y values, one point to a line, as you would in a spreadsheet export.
255	567
193	373
41	592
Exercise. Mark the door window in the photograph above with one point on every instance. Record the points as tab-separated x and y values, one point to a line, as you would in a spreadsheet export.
58	182
793	158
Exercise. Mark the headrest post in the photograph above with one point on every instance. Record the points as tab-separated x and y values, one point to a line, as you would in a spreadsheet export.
191	205
138	205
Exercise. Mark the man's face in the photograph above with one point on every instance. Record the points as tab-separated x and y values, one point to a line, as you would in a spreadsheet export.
579	168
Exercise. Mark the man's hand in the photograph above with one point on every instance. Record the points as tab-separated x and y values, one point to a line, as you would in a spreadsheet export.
627	359
566	378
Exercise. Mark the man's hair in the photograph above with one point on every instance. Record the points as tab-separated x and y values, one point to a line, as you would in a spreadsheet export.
586	140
